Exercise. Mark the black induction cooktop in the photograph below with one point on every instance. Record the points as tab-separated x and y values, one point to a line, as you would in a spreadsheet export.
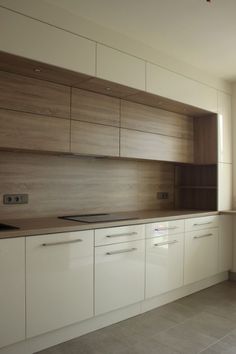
92	218
5	227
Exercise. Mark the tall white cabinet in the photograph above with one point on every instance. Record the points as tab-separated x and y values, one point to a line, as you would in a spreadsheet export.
12	291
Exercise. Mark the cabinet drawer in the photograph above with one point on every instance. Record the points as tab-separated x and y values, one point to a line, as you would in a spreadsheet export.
204	222
164	228
119	275
119	234
164	264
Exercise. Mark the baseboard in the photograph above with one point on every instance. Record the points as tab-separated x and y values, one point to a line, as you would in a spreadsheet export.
32	345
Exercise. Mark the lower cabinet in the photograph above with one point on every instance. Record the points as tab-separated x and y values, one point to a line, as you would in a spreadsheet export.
164	264
12	291
119	275
59	280
225	243
201	254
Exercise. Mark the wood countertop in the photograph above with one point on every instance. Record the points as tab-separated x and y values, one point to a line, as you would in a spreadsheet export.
50	225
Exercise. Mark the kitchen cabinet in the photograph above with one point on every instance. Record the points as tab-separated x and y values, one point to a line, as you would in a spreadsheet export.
39	41
201	223
116	66
224	128
59	280
201	254
179	88
225	243
142	145
164	228
119	234
164	264
94	139
119	275
12	293
225	186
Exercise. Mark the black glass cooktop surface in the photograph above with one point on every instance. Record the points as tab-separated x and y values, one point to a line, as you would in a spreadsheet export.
5	227
92	218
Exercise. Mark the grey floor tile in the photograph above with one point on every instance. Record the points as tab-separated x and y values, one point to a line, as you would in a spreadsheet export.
176	312
211	325
152	346
185	340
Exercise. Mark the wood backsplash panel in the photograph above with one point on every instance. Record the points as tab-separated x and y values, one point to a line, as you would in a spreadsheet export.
95	108
59	185
26	94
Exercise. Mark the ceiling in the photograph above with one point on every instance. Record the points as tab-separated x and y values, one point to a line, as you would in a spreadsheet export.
197	32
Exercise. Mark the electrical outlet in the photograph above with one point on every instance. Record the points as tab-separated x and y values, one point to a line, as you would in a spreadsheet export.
15	199
162	195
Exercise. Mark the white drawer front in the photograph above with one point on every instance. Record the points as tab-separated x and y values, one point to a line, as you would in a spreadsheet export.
164	264
204	222
119	234
119	275
164	228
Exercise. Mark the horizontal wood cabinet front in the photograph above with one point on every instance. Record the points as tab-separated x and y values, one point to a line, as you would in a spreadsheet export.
149	119
94	139
21	93
120	67
33	132
136	144
95	108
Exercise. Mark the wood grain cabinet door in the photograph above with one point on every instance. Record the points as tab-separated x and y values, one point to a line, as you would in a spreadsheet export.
94	139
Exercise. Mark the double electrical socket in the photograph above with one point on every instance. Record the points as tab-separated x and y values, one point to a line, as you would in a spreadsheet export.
15	199
162	195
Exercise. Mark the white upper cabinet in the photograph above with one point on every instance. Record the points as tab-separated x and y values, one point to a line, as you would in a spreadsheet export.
124	69
12	291
225	186
35	40
224	128
179	88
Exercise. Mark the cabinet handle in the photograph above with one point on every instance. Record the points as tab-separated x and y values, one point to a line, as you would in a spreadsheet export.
60	243
203	223
202	236
121	235
121	251
167	228
165	243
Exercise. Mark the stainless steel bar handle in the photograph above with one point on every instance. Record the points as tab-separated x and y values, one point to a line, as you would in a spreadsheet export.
167	228
61	243
202	236
120	235
121	251
165	243
203	223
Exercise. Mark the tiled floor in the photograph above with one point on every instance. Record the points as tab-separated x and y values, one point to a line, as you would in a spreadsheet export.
204	322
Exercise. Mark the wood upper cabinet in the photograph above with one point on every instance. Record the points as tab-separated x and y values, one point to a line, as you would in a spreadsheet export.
122	68
179	88
95	108
94	139
136	144
224	128
33	132
12	294
25	94
39	41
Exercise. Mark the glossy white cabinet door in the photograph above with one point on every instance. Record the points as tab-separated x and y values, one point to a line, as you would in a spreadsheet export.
12	290
119	275
224	128
164	228
119	67
225	186
35	40
59	280
225	243
201	255
112	235
164	264
179	88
